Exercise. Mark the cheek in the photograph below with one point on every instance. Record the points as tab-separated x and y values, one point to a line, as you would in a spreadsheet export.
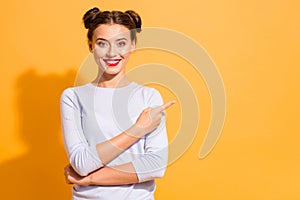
124	51
126	55
100	52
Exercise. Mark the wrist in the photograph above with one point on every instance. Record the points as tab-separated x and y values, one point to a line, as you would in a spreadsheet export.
135	131
90	179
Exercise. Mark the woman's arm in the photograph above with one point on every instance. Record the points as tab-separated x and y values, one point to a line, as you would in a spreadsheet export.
148	166
148	120
82	156
110	149
86	159
117	175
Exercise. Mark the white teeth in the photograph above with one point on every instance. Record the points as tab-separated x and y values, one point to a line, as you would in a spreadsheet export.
112	62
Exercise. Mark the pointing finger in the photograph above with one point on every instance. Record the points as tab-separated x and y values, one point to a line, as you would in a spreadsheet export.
167	105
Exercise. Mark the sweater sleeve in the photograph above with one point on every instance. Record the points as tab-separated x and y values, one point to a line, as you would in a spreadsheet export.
152	164
83	158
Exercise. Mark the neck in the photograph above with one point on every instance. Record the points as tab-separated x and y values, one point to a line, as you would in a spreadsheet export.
111	81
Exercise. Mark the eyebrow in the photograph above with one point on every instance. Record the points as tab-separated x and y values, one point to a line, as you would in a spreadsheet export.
107	40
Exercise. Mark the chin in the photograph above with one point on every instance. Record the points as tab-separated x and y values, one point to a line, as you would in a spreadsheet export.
110	71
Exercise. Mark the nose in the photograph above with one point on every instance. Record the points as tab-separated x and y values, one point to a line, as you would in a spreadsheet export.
112	51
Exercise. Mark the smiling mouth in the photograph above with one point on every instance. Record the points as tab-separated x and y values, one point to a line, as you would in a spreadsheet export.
112	62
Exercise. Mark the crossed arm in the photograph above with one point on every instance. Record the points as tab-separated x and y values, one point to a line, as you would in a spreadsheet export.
148	120
117	175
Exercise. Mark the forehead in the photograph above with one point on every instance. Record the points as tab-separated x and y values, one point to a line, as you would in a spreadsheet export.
111	32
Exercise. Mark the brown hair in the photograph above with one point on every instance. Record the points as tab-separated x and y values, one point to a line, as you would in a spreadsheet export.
94	18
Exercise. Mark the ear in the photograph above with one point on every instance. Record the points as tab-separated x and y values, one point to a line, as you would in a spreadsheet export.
132	46
90	46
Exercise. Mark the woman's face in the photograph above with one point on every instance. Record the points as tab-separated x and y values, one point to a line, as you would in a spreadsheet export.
111	45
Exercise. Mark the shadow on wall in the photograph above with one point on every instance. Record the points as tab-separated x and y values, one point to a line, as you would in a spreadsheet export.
39	173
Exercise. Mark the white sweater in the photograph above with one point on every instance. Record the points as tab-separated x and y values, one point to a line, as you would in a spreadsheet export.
91	115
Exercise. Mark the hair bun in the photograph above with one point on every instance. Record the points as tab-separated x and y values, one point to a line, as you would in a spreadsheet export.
136	18
89	16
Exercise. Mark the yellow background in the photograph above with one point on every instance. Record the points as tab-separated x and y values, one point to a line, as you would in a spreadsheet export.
255	45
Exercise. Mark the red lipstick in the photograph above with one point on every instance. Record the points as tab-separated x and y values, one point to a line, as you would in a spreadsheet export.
112	62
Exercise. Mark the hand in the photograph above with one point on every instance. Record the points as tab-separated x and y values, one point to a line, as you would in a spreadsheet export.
72	177
150	118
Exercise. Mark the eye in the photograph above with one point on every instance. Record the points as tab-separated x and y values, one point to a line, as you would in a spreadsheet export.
121	43
102	44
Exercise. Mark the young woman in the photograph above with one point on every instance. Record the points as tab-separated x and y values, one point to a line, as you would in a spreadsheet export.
113	128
